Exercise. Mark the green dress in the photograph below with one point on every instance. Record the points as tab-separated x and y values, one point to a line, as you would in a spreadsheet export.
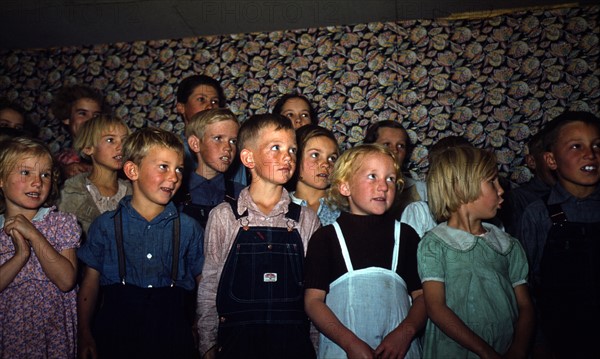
479	274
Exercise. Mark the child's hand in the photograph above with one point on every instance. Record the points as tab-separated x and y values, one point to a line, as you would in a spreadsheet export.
22	247
87	347
21	225
360	350
394	345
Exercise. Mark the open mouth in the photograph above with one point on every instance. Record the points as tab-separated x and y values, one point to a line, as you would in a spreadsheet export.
167	189
379	199
225	159
589	168
33	194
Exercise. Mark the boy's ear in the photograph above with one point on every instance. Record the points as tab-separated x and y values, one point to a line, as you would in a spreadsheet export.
344	189
194	143
66	121
131	170
550	160
247	158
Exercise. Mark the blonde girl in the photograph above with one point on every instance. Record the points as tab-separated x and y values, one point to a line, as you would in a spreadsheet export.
361	272
38	262
89	194
474	275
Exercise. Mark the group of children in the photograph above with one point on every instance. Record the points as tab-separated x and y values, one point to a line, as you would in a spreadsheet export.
148	257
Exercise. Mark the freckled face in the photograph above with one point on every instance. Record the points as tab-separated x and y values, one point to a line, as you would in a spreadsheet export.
158	176
28	185
218	146
372	188
275	155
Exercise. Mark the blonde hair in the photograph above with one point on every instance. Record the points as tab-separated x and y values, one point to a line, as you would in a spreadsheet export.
13	150
455	177
348	164
197	124
93	129
137	145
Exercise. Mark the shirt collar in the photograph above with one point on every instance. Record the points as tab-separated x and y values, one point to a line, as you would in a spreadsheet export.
458	239
168	212
558	194
245	202
40	215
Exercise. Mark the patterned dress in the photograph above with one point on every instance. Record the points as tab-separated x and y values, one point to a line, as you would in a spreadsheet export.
38	320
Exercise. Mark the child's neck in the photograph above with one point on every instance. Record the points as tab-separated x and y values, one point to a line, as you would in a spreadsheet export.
105	180
148	210
265	195
465	221
12	211
577	191
311	195
205	171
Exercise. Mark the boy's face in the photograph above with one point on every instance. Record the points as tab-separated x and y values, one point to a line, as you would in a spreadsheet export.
217	148
106	154
81	111
372	188
298	111
395	139
204	97
158	176
575	158
273	155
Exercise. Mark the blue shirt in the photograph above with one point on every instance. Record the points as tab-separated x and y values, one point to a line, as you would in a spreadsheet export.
326	214
536	222
148	248
210	192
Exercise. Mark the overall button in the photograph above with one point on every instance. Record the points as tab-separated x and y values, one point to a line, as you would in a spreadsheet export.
149	256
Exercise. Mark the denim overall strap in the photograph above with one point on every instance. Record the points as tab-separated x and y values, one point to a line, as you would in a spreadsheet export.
569	293
262	279
371	302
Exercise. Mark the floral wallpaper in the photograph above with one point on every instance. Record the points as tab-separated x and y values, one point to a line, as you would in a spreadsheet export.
494	80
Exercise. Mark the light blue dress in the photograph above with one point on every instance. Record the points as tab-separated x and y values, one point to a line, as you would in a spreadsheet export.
479	275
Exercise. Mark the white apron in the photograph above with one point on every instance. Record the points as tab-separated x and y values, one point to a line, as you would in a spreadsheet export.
371	302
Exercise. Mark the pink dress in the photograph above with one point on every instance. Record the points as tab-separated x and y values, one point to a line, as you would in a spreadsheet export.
38	320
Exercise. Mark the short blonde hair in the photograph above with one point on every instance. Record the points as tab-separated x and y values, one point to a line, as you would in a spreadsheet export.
137	145
197	124
348	164
455	177
92	130
12	150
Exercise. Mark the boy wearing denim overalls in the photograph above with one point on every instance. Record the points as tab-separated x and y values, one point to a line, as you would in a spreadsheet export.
250	297
143	261
560	235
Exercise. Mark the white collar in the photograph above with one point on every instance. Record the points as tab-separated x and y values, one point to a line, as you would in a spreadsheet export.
497	239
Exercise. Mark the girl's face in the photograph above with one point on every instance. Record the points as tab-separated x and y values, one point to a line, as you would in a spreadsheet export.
298	111
372	187
106	153
27	185
489	200
81	111
395	139
11	118
318	157
204	97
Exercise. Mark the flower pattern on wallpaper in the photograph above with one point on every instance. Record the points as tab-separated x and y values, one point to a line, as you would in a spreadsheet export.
494	81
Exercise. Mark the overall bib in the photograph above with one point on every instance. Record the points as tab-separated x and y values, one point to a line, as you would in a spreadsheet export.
260	298
135	322
569	293
371	302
